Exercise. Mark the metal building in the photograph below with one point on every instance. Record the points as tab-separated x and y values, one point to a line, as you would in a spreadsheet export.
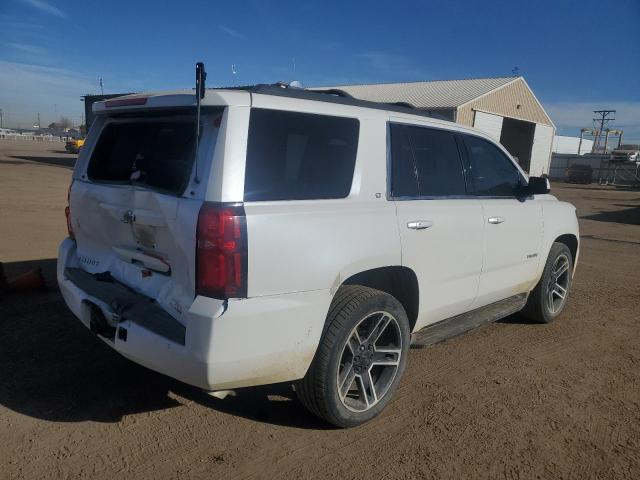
503	107
571	145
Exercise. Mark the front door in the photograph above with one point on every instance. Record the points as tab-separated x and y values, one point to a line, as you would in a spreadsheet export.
512	225
440	225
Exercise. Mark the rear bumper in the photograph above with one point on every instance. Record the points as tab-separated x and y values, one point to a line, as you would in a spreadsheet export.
227	345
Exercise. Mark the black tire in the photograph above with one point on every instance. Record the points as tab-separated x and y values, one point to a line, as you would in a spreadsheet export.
351	308
538	304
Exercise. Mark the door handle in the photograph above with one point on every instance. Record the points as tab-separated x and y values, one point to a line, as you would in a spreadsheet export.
496	220
419	224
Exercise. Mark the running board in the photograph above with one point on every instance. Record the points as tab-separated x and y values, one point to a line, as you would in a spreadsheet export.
454	326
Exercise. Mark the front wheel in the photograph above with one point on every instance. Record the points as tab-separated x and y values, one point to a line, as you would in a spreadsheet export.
360	359
549	298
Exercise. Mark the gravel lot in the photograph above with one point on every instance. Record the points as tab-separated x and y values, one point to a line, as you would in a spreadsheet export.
511	400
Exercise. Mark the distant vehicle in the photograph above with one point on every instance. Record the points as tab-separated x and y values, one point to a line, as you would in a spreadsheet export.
626	153
303	237
579	174
74	145
7	131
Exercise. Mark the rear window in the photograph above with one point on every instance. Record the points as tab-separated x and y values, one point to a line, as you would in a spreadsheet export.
299	156
157	153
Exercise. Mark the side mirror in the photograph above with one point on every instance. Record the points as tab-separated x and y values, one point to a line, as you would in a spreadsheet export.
537	186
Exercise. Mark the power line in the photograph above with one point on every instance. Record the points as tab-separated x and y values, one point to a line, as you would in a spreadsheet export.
604	118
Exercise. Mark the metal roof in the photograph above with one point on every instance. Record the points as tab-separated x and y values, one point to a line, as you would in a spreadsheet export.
435	94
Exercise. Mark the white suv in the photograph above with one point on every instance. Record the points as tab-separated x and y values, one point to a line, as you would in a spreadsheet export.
303	237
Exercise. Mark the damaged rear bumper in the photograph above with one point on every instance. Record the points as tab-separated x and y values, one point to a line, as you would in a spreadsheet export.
222	344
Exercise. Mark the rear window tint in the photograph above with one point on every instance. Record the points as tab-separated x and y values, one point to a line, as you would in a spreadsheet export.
438	162
157	153
299	156
425	162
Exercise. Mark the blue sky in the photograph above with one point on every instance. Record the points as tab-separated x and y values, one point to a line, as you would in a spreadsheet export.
576	56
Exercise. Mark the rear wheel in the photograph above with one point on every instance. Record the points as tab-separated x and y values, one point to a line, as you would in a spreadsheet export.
548	299
360	359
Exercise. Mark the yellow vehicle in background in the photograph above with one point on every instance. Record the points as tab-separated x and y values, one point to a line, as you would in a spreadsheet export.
74	145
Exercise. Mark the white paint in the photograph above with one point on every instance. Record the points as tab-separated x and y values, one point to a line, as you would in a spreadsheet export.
541	150
488	123
446	257
511	248
300	252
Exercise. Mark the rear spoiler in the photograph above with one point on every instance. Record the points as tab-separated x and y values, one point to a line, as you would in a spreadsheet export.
179	98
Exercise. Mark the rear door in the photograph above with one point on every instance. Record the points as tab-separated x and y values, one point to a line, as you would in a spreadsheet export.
440	224
512	225
132	213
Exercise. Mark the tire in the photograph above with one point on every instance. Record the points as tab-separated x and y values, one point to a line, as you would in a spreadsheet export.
360	359
552	289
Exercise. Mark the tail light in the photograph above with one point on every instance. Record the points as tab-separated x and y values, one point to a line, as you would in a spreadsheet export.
67	212
221	251
126	102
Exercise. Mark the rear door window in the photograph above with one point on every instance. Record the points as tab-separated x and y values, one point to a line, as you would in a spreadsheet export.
438	162
492	172
299	156
426	162
154	152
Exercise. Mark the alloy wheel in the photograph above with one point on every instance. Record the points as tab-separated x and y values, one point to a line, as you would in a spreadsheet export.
369	361
558	285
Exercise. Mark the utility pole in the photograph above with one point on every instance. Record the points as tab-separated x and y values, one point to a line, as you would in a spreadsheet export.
101	89
604	117
0	118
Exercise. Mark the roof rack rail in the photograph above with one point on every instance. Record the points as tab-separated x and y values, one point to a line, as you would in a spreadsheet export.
334	91
334	95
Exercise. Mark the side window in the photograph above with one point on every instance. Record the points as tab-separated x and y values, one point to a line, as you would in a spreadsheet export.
438	163
299	156
404	181
492	172
425	162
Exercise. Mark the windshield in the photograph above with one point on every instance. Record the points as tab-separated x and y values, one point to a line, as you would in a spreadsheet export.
154	152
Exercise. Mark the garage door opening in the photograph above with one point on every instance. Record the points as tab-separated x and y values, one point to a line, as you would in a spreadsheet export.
517	138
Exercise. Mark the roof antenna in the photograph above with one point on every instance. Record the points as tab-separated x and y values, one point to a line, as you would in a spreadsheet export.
233	73
201	77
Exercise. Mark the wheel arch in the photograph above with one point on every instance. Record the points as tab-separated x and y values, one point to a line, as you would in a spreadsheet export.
571	241
396	280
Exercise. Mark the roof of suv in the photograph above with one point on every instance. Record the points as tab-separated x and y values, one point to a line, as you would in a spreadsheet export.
336	96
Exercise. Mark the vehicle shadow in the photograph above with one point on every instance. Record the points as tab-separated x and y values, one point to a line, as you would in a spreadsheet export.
630	216
517	319
54	369
592	186
66	162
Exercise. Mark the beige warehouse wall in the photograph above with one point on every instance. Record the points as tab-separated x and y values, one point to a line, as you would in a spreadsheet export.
504	101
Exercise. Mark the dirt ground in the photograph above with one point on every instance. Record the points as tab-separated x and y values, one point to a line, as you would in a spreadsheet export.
511	400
